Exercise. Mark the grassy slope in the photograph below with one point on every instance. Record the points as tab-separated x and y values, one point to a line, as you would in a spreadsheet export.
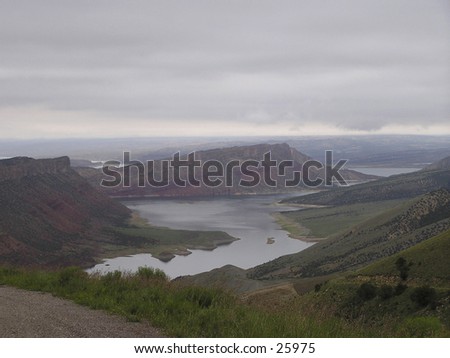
316	223
338	296
430	261
428	267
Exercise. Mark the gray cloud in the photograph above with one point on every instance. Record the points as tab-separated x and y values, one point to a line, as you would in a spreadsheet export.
354	65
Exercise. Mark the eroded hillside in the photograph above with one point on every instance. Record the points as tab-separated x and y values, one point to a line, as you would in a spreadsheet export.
50	215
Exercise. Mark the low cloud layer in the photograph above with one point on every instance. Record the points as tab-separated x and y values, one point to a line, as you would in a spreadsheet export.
114	68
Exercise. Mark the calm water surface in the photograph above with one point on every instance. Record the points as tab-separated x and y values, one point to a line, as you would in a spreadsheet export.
248	218
385	172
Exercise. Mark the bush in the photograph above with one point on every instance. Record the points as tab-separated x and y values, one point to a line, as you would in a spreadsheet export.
151	273
424	296
403	268
69	275
399	289
112	277
386	292
366	291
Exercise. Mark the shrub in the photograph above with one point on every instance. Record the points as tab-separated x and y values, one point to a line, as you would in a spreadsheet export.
202	297
403	268
386	292
70	275
151	273
424	296
399	289
367	291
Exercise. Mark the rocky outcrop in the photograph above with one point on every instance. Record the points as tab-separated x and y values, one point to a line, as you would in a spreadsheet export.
430	208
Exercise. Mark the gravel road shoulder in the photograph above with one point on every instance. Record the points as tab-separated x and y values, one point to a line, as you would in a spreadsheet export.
29	314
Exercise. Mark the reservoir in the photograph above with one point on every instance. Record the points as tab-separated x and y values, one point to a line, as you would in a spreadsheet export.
383	171
245	217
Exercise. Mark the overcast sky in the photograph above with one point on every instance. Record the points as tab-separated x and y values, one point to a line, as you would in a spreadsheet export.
110	68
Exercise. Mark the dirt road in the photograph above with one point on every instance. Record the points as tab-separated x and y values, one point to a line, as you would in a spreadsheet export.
29	314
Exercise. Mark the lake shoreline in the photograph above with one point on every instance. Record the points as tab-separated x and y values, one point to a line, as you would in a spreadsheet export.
247	218
295	229
292	193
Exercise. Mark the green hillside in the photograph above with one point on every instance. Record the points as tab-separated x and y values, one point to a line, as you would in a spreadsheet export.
410	288
323	222
428	260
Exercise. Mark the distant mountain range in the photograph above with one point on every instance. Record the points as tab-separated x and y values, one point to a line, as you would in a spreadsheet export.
361	150
279	152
